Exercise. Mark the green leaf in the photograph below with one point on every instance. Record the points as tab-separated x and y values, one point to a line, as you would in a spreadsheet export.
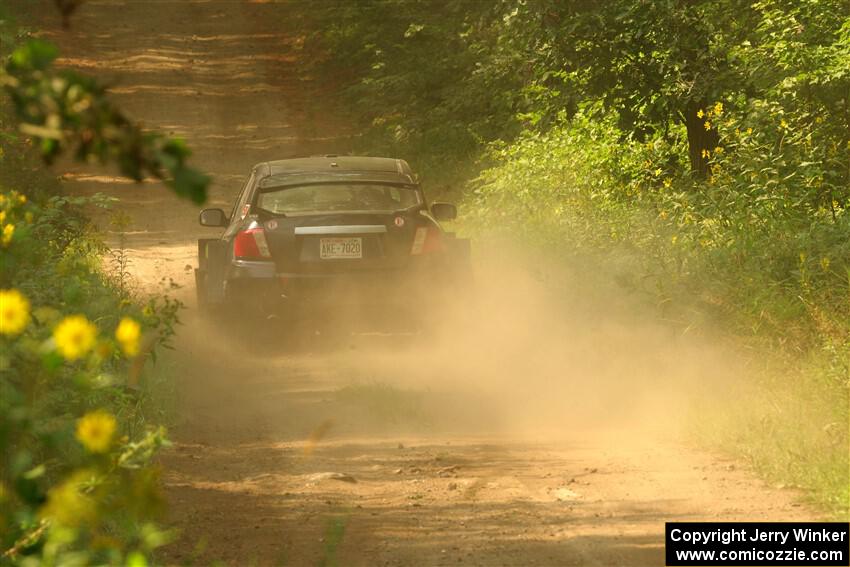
190	183
136	559
34	54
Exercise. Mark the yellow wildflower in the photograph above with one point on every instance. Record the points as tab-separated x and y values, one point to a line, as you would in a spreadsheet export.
718	108
74	336
127	334
68	504
657	172
8	231
707	125
706	154
96	430
749	130
2	217
783	123
718	150
14	312
700	113
22	199
667	183
824	263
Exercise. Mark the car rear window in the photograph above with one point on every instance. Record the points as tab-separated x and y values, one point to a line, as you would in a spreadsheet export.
345	197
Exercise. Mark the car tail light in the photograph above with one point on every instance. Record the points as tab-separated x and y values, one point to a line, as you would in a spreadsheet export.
251	243
426	240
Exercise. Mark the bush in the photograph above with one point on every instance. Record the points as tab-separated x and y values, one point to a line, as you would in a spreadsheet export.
76	484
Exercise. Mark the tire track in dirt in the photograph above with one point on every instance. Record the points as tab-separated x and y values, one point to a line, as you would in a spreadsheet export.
447	473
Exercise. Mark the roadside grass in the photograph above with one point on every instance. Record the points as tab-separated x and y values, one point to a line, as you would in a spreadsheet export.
788	426
159	392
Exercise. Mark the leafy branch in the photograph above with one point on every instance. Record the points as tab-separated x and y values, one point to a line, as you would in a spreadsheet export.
64	111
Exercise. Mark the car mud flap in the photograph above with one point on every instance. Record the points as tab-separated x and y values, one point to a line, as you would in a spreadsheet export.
212	261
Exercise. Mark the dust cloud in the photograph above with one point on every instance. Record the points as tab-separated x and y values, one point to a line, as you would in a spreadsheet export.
530	349
533	349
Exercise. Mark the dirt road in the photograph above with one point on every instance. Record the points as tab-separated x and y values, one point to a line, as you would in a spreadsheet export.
538	431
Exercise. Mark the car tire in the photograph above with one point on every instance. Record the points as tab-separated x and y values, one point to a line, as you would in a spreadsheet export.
201	291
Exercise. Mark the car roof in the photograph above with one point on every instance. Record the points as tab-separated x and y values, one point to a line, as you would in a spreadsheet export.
333	168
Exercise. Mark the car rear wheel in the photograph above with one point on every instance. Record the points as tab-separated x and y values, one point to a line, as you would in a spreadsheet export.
201	291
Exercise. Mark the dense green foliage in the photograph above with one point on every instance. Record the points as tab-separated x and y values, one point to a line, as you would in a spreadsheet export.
442	84
420	82
696	151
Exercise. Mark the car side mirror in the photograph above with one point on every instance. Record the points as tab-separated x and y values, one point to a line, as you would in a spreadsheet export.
213	217
444	211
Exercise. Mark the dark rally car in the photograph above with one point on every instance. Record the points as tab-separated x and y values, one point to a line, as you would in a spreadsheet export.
338	233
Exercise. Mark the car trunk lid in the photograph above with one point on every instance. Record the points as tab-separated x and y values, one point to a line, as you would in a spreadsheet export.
336	243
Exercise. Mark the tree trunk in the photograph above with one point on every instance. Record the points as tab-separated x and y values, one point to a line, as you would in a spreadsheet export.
700	139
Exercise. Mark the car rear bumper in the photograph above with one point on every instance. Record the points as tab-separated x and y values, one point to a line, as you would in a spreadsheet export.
258	286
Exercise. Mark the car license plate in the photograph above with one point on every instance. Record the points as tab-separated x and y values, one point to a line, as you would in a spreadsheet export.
334	248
